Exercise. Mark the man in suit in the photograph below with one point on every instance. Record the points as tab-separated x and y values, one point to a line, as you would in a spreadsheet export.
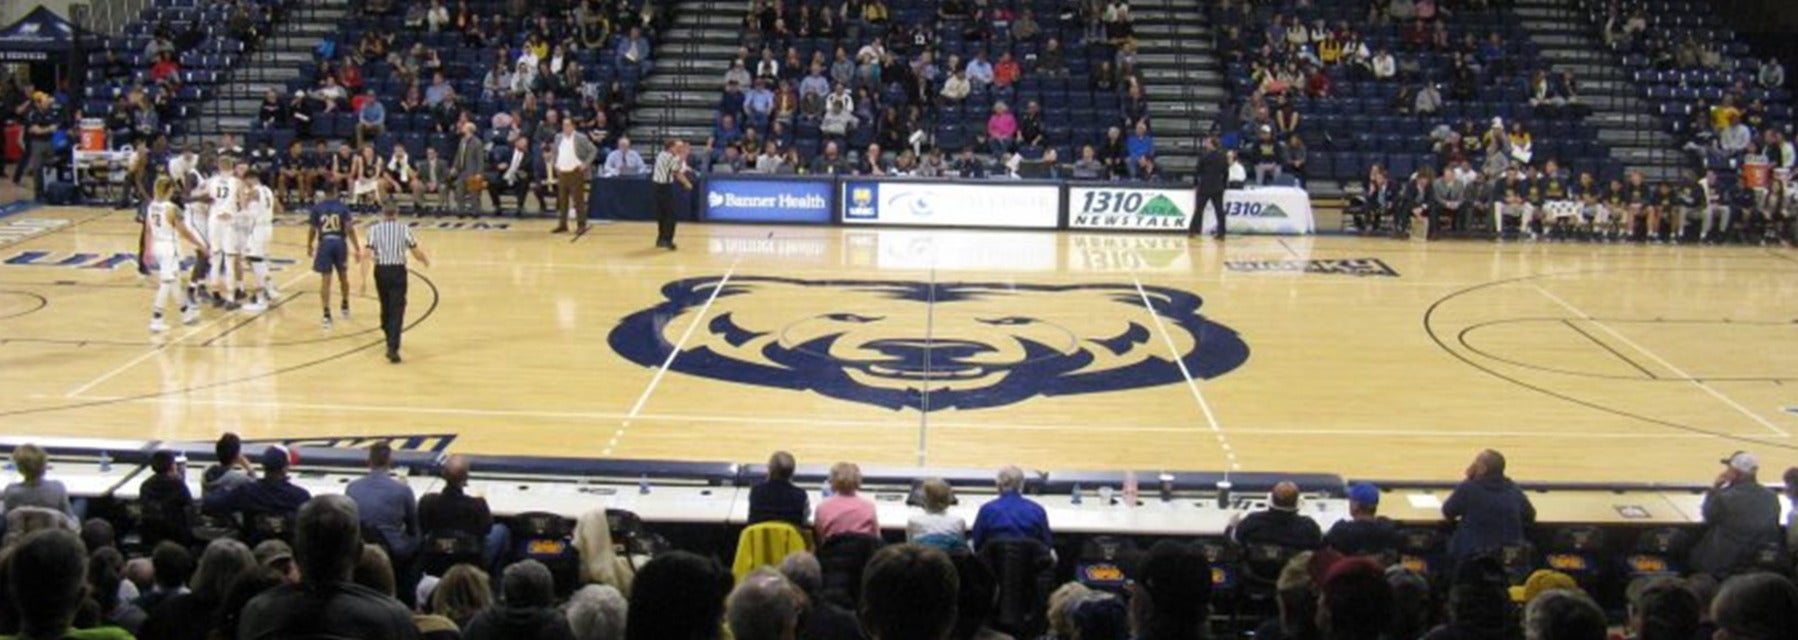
1417	201
573	155
510	170
1214	174
467	164
433	179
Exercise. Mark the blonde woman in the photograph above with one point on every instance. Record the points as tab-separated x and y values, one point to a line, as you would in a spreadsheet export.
34	490
936	527
600	562
463	592
844	512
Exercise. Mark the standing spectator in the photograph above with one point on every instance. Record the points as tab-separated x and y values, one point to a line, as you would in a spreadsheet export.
33	490
527	612
776	498
1280	524
41	124
1488	510
387	504
844	511
678	596
1011	516
326	602
1741	515
909	592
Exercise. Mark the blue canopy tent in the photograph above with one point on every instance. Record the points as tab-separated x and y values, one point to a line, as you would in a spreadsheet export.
40	36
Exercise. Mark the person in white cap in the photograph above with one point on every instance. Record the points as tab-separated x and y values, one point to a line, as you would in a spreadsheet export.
1741	517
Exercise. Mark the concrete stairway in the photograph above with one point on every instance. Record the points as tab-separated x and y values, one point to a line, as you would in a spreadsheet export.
1626	123
279	60
1182	77
680	96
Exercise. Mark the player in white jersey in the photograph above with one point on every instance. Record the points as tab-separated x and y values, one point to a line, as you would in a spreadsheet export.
163	231
195	217
255	225
226	193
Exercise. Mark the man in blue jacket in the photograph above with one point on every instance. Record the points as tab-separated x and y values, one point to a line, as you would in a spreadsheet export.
1488	510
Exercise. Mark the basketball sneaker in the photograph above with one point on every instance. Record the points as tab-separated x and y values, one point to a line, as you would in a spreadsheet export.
158	326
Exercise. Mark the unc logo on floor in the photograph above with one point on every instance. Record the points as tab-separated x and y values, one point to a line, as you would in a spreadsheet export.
985	344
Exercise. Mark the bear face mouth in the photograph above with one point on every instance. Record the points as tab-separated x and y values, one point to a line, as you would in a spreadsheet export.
910	359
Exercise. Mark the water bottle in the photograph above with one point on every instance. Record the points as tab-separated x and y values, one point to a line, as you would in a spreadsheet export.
643	484
825	490
105	462
1074	494
1167	487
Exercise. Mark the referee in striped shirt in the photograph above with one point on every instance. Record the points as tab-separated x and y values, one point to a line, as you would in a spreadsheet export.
671	165
388	242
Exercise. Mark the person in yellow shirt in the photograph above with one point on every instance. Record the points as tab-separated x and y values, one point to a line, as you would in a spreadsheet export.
1725	113
1329	50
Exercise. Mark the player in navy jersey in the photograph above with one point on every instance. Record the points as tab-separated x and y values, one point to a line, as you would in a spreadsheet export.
328	241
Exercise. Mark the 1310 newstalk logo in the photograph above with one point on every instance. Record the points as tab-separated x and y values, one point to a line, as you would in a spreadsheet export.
1130	208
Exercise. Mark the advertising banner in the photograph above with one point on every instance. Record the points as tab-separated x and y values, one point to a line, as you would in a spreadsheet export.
946	204
1271	210
1127	208
730	199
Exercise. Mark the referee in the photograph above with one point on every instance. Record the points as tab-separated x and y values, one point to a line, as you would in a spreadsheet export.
671	165
388	242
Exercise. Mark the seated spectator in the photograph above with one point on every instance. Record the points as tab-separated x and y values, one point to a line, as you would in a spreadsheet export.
164	67
1171	592
634	49
463	593
387	504
1740	515
1141	143
1088	166
1384	66
171	565
844	511
46	574
527	609
1564	615
1147	169
271	494
1479	601
1428	100
957	87
1354	601
165	499
1413	611
1007	71
1280	524
978	71
838	120
189	615
328	550
32	489
909	592
1011	516
1771	75
935	526
597	612
623	161
872	163
765	606
776	498
830	162
600	562
824	619
1364	532
1756	606
1267	156
1001	128
678	596
1488	510
371	119
453	510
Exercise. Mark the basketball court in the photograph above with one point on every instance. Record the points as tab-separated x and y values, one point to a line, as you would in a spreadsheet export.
1371	358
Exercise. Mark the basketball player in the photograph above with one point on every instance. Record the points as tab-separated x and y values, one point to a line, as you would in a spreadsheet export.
163	228
325	243
365	185
226	193
196	212
254	228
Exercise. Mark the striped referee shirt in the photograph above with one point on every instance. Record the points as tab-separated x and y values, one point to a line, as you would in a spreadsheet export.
667	165
390	240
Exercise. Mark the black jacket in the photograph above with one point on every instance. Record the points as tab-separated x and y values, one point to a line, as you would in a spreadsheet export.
778	500
1214	171
1283	528
507	623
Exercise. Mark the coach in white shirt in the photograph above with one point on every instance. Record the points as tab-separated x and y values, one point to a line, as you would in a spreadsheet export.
573	164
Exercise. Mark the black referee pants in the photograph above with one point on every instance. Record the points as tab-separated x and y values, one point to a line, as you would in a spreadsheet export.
1216	200
664	214
390	285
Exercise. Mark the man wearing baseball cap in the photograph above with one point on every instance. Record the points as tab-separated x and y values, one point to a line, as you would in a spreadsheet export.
1365	532
1741	516
270	494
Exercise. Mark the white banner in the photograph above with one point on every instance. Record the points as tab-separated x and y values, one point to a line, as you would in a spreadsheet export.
1128	208
1273	210
941	204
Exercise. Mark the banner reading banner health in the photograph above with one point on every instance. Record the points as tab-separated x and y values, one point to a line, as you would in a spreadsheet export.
730	199
946	204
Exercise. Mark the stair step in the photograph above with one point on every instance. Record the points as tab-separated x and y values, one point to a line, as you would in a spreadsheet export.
1182	30
658	99
696	53
1182	75
707	19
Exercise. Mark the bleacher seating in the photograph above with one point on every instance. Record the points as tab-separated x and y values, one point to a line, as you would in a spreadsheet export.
115	69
